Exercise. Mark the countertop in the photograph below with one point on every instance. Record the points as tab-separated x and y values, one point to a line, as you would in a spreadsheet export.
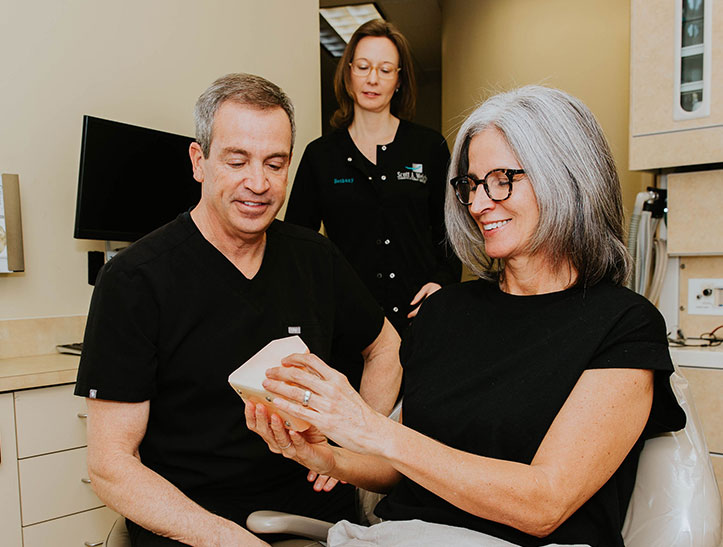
698	357
37	371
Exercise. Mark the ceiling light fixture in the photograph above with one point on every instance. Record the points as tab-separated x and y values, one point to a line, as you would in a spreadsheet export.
344	20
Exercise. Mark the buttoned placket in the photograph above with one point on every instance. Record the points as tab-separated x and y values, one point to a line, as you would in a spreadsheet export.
382	242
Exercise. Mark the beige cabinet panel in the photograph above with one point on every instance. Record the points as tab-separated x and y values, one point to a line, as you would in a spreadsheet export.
656	138
47	420
9	498
706	385
718	468
695	222
52	486
87	528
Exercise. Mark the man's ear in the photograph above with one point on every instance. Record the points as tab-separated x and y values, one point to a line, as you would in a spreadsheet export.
197	160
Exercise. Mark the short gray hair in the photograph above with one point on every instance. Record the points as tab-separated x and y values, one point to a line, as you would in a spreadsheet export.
247	89
566	157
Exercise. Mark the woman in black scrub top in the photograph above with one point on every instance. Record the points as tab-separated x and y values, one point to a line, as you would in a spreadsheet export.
377	182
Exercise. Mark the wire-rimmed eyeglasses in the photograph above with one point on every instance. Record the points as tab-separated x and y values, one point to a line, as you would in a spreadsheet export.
362	68
497	183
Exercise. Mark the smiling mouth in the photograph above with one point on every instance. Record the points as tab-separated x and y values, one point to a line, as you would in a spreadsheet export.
493	225
252	203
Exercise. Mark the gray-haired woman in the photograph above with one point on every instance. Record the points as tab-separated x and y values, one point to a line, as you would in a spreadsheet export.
529	392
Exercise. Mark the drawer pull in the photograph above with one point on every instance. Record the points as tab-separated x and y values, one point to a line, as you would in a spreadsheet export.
92	543
82	415
85	481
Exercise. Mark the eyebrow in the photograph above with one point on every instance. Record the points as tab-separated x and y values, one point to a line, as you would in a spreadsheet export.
242	152
368	61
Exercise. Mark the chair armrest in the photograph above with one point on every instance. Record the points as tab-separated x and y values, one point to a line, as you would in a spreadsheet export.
275	522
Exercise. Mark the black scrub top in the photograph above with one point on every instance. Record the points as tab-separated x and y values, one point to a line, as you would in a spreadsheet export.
171	317
387	219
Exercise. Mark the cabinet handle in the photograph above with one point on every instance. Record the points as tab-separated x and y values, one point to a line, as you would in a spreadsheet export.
92	543
82	415
85	481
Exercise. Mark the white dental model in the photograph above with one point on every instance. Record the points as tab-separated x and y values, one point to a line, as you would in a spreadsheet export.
247	379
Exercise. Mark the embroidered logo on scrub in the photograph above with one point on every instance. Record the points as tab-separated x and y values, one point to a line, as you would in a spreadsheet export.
344	181
414	173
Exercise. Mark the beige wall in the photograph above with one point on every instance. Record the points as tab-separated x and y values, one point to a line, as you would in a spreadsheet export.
137	61
580	47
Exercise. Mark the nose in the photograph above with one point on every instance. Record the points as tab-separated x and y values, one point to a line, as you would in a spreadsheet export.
255	178
481	202
373	76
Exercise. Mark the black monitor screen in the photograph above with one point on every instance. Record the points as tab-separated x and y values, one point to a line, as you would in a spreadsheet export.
132	180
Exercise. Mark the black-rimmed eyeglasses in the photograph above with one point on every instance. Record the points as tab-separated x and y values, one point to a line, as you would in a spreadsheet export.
497	183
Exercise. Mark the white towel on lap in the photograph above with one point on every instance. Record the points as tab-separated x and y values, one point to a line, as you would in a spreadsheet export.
410	533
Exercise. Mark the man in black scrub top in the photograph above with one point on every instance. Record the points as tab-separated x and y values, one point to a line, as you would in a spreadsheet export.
174	314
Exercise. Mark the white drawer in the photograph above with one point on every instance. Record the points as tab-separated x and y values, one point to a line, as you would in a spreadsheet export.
88	528
47	420
51	486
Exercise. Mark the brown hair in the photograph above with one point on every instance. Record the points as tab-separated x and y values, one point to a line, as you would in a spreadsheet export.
403	101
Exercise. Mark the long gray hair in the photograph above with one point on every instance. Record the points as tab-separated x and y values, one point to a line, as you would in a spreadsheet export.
559	143
246	89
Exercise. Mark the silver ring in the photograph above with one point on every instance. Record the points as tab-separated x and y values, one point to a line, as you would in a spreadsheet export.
285	447
307	396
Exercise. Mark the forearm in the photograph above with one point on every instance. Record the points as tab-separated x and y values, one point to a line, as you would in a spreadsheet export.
146	498
382	375
365	471
508	492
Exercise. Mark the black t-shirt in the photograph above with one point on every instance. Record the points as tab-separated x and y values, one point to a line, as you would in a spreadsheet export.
387	219
487	372
171	318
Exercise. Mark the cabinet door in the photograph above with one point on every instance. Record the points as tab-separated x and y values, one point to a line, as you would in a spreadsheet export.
695	223
87	528
658	137
49	420
9	495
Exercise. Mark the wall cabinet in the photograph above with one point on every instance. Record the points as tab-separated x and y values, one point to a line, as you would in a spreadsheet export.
46	495
676	83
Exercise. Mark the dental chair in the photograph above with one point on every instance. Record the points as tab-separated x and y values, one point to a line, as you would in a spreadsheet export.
675	502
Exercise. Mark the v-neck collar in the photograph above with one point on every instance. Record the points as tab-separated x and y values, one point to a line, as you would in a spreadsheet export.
221	266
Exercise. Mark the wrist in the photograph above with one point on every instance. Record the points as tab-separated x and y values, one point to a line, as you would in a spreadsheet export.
381	436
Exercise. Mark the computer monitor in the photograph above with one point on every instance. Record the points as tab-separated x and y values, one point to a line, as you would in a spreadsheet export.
132	180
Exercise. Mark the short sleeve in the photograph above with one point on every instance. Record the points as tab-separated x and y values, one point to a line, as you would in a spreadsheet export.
638	340
119	357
